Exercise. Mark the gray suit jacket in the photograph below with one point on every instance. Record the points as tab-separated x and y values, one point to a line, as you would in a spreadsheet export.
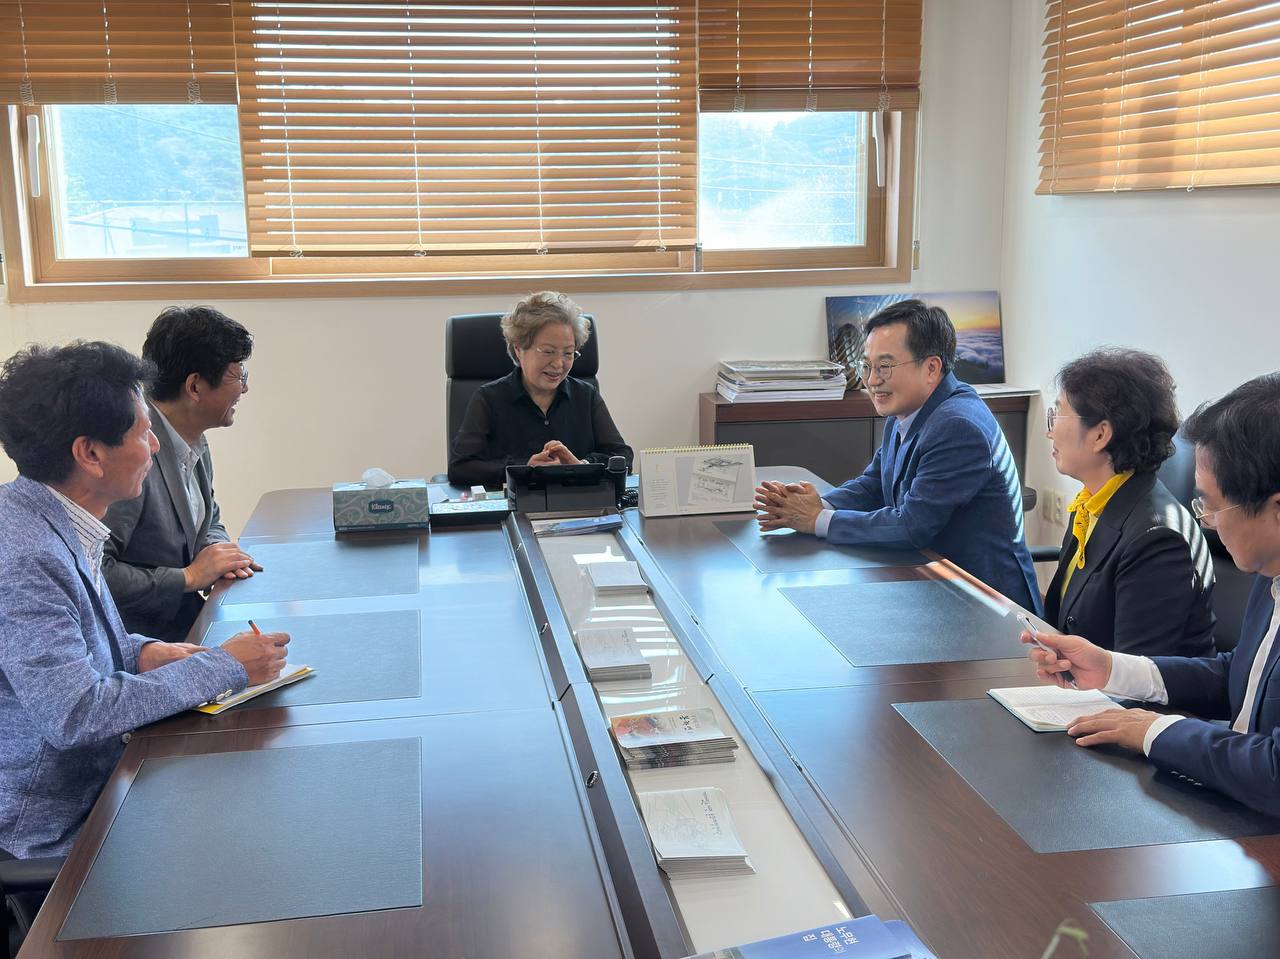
69	682
153	538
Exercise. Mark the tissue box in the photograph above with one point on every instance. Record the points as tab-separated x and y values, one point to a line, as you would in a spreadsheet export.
402	505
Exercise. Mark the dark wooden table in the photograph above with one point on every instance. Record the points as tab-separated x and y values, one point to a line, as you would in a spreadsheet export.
518	856
511	860
933	851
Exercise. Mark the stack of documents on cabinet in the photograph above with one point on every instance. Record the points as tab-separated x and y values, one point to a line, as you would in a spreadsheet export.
869	937
616	578
1048	709
660	740
692	833
611	653
770	381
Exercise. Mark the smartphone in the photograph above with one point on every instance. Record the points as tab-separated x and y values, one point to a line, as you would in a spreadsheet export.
1030	627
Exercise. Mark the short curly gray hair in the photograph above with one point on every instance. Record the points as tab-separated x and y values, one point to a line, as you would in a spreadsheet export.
520	327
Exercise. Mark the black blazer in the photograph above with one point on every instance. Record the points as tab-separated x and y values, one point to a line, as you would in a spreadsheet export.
1147	584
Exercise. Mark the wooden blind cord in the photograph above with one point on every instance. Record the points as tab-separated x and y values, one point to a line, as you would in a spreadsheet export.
537	137
421	249
811	95
295	250
25	89
739	99
1204	33
881	118
110	96
193	85
1124	99
657	115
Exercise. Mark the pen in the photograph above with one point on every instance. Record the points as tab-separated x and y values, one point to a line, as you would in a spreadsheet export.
1030	628
254	626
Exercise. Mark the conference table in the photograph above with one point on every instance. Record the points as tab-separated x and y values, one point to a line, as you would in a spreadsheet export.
446	784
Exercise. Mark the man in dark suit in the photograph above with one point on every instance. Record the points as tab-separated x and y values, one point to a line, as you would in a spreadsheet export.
943	478
169	544
1238	475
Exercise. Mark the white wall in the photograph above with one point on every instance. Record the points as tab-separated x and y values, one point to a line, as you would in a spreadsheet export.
338	385
1193	277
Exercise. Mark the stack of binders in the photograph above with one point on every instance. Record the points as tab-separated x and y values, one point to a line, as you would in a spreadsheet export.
693	834
771	381
661	740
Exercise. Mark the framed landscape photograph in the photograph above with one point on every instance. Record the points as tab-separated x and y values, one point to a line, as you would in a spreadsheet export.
976	316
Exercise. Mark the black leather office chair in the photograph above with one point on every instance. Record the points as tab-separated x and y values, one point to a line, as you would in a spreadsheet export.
475	353
1231	587
23	886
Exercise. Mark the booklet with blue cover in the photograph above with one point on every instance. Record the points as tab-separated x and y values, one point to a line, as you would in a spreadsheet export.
864	938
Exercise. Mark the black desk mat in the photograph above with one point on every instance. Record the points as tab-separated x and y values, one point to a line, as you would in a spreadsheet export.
920	621
357	657
1061	797
328	569
800	552
1234	923
299	831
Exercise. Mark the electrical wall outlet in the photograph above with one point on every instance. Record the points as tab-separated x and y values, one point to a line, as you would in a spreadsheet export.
1054	506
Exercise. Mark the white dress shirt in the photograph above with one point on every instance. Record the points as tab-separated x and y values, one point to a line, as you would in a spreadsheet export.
1137	677
823	522
188	457
90	531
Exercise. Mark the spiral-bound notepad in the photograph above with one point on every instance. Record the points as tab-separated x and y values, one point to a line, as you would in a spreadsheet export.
697	479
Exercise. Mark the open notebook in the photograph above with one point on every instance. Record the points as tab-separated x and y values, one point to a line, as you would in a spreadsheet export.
1048	709
290	674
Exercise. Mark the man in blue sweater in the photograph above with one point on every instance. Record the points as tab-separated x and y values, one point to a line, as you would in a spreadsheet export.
943	478
73	681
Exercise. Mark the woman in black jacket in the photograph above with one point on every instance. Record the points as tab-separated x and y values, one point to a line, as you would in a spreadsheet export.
1135	573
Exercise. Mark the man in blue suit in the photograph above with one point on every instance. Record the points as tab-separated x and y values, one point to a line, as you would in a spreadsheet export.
943	478
73	682
1238	476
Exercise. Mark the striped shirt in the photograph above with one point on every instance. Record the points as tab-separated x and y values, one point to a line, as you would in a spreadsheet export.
91	532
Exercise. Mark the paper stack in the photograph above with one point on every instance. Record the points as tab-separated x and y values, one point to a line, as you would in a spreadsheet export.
611	579
611	653
771	381
661	740
693	834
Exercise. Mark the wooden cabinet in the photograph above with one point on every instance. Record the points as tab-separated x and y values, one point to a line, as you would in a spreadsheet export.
834	438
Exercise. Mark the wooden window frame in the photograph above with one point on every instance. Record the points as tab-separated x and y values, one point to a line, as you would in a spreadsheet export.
34	274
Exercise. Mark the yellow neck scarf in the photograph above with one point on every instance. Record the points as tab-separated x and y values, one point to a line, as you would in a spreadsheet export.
1088	506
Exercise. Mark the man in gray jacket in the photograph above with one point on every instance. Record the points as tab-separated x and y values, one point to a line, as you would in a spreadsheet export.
73	681
168	544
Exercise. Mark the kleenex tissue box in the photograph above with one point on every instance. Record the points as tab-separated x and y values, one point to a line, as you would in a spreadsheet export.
402	505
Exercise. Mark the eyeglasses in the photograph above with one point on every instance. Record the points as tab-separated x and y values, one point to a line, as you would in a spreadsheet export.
243	376
1051	416
883	370
547	352
1203	515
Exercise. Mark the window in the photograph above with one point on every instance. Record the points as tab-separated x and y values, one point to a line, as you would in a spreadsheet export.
244	139
780	180
161	180
1142	95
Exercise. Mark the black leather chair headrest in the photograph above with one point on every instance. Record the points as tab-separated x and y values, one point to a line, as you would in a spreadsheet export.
475	350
